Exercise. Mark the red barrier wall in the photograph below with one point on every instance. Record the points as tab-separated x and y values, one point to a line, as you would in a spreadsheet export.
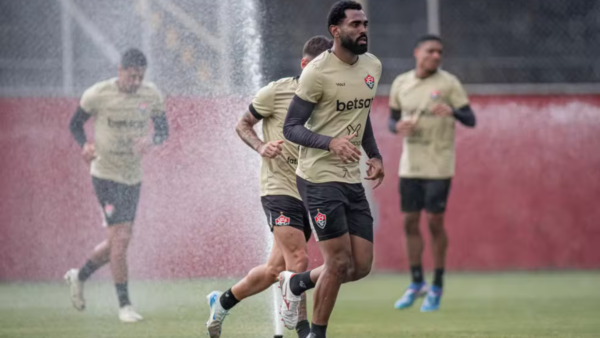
525	195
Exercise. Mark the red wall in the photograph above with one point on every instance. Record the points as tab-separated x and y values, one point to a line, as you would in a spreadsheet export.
525	195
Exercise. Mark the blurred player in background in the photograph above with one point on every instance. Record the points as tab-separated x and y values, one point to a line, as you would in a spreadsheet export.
329	118
281	201
122	108
425	103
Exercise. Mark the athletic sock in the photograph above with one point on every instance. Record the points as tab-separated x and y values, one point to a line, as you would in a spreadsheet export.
301	282
416	272
303	329
87	270
318	331
438	278
228	300
123	294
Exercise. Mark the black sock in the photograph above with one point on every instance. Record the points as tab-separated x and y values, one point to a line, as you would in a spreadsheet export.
123	294
318	331
303	329
417	274
87	270
301	282
228	300
438	278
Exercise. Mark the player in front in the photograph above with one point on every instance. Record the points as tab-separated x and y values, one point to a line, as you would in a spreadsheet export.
281	201
425	103
122	108
329	118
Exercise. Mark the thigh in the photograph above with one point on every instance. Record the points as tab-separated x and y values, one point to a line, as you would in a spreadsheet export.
412	195
362	253
358	213
118	201
325	205
286	211
436	195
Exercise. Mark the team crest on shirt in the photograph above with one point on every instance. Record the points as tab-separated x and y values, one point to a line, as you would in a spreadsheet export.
370	81
282	220
109	210
321	219
436	94
142	108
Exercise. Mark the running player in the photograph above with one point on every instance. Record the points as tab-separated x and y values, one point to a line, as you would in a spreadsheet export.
329	118
121	108
285	212
425	103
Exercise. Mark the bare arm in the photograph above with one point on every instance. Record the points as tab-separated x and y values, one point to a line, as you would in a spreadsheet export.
245	129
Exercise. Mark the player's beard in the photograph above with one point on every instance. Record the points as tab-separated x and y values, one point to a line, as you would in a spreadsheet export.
353	46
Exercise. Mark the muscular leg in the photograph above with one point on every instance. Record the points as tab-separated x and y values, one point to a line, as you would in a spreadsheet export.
337	256
414	245
119	236
439	241
98	258
261	277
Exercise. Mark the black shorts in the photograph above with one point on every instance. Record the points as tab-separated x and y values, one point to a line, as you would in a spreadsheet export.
283	210
430	194
118	201
337	208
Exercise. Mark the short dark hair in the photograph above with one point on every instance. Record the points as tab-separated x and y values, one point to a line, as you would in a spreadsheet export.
337	13
316	45
133	57
428	37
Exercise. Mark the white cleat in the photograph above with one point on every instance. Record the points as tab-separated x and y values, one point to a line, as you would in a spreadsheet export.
128	315
289	302
217	314
72	278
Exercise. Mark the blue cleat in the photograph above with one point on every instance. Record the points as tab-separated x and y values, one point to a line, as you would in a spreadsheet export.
217	315
432	301
413	292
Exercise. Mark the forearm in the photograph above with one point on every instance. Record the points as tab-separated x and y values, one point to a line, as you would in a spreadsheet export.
369	143
76	126
161	129
294	130
395	116
245	130
465	116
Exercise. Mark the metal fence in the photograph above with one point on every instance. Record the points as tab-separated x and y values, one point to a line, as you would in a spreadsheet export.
227	47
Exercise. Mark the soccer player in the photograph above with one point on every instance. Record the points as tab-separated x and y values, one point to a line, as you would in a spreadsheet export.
121	108
329	118
281	202
425	103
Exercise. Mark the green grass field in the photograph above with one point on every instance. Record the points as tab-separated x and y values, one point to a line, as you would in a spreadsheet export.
523	305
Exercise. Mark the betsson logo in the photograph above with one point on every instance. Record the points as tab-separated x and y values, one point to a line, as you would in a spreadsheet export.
356	104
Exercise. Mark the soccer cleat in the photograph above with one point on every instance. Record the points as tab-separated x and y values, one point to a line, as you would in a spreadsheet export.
432	301
128	315
289	302
414	291
72	278
217	314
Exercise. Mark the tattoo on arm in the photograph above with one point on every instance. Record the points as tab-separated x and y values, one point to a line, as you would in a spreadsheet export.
245	129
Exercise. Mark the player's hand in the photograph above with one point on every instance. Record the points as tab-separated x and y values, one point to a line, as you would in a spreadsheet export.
375	171
270	149
344	149
406	127
143	146
442	110
88	152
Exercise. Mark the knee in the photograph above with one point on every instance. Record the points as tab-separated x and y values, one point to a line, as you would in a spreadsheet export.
299	261
411	225
436	225
273	271
339	266
361	271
